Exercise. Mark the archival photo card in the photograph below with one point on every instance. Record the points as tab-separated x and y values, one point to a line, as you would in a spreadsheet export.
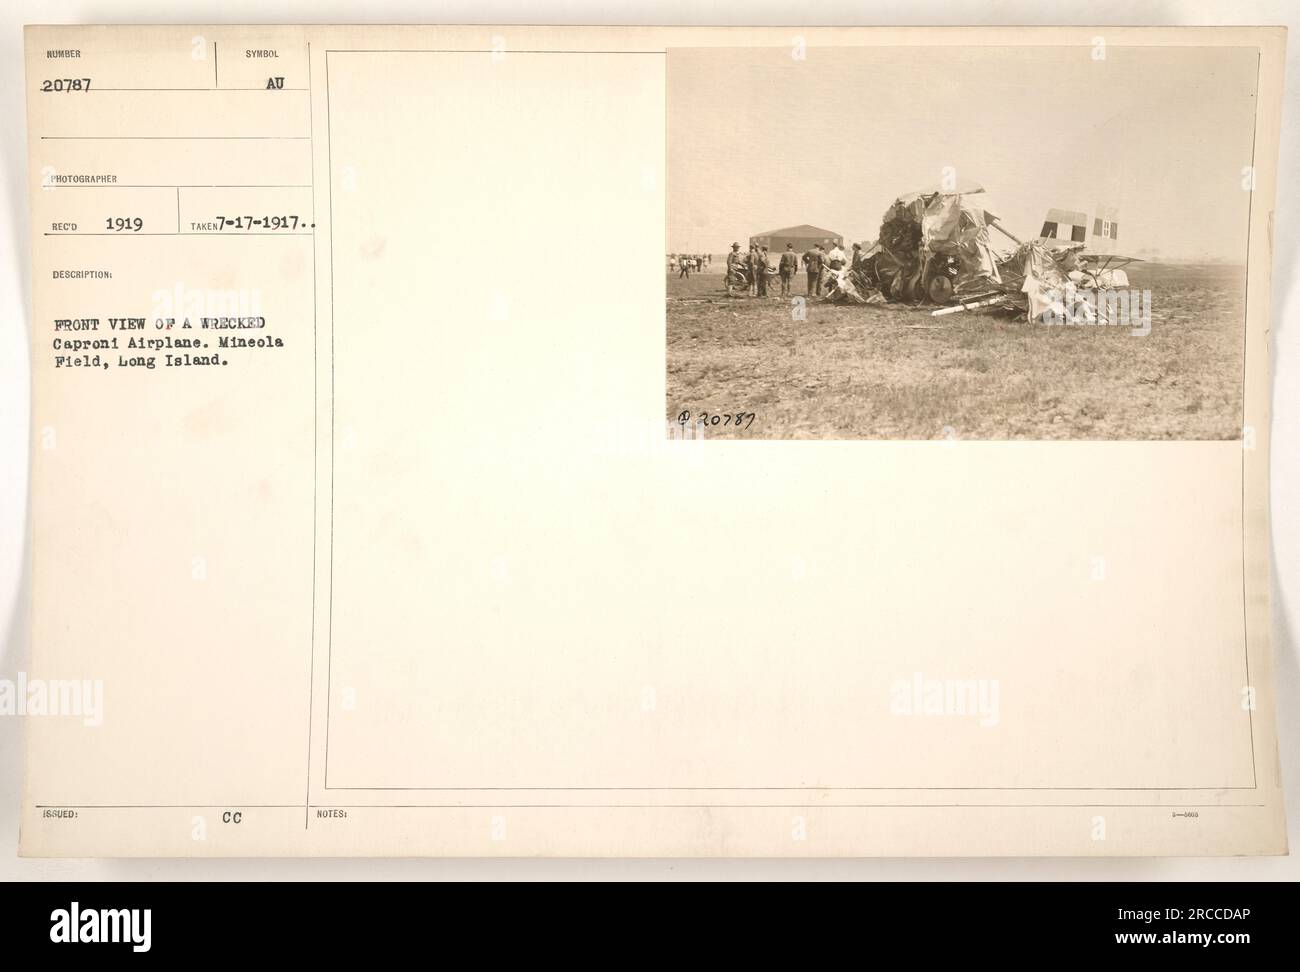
358	559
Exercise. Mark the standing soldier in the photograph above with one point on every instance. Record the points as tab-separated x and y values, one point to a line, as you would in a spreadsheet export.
761	268
735	267
788	267
812	262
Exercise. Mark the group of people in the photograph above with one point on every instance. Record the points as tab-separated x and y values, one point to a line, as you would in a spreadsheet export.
752	270
688	263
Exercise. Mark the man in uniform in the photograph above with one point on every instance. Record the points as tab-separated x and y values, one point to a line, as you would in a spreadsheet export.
788	267
735	267
760	270
813	261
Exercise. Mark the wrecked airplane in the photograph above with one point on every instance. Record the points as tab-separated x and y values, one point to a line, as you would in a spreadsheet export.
936	247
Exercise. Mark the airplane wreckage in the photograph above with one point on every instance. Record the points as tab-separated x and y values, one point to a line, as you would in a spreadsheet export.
936	247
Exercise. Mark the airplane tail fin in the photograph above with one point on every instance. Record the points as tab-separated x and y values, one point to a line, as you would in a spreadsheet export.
1061	226
1105	230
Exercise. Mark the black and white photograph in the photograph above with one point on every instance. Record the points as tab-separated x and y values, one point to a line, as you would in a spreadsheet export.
960	242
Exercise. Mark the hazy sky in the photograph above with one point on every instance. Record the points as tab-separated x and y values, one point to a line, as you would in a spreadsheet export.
759	141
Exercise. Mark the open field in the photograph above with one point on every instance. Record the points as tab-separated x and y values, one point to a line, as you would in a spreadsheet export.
894	372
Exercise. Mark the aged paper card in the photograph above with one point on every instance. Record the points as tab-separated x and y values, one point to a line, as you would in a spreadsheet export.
640	442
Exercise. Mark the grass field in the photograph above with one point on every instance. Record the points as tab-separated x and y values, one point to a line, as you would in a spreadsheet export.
895	372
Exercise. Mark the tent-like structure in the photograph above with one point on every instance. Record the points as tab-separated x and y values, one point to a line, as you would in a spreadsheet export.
804	237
